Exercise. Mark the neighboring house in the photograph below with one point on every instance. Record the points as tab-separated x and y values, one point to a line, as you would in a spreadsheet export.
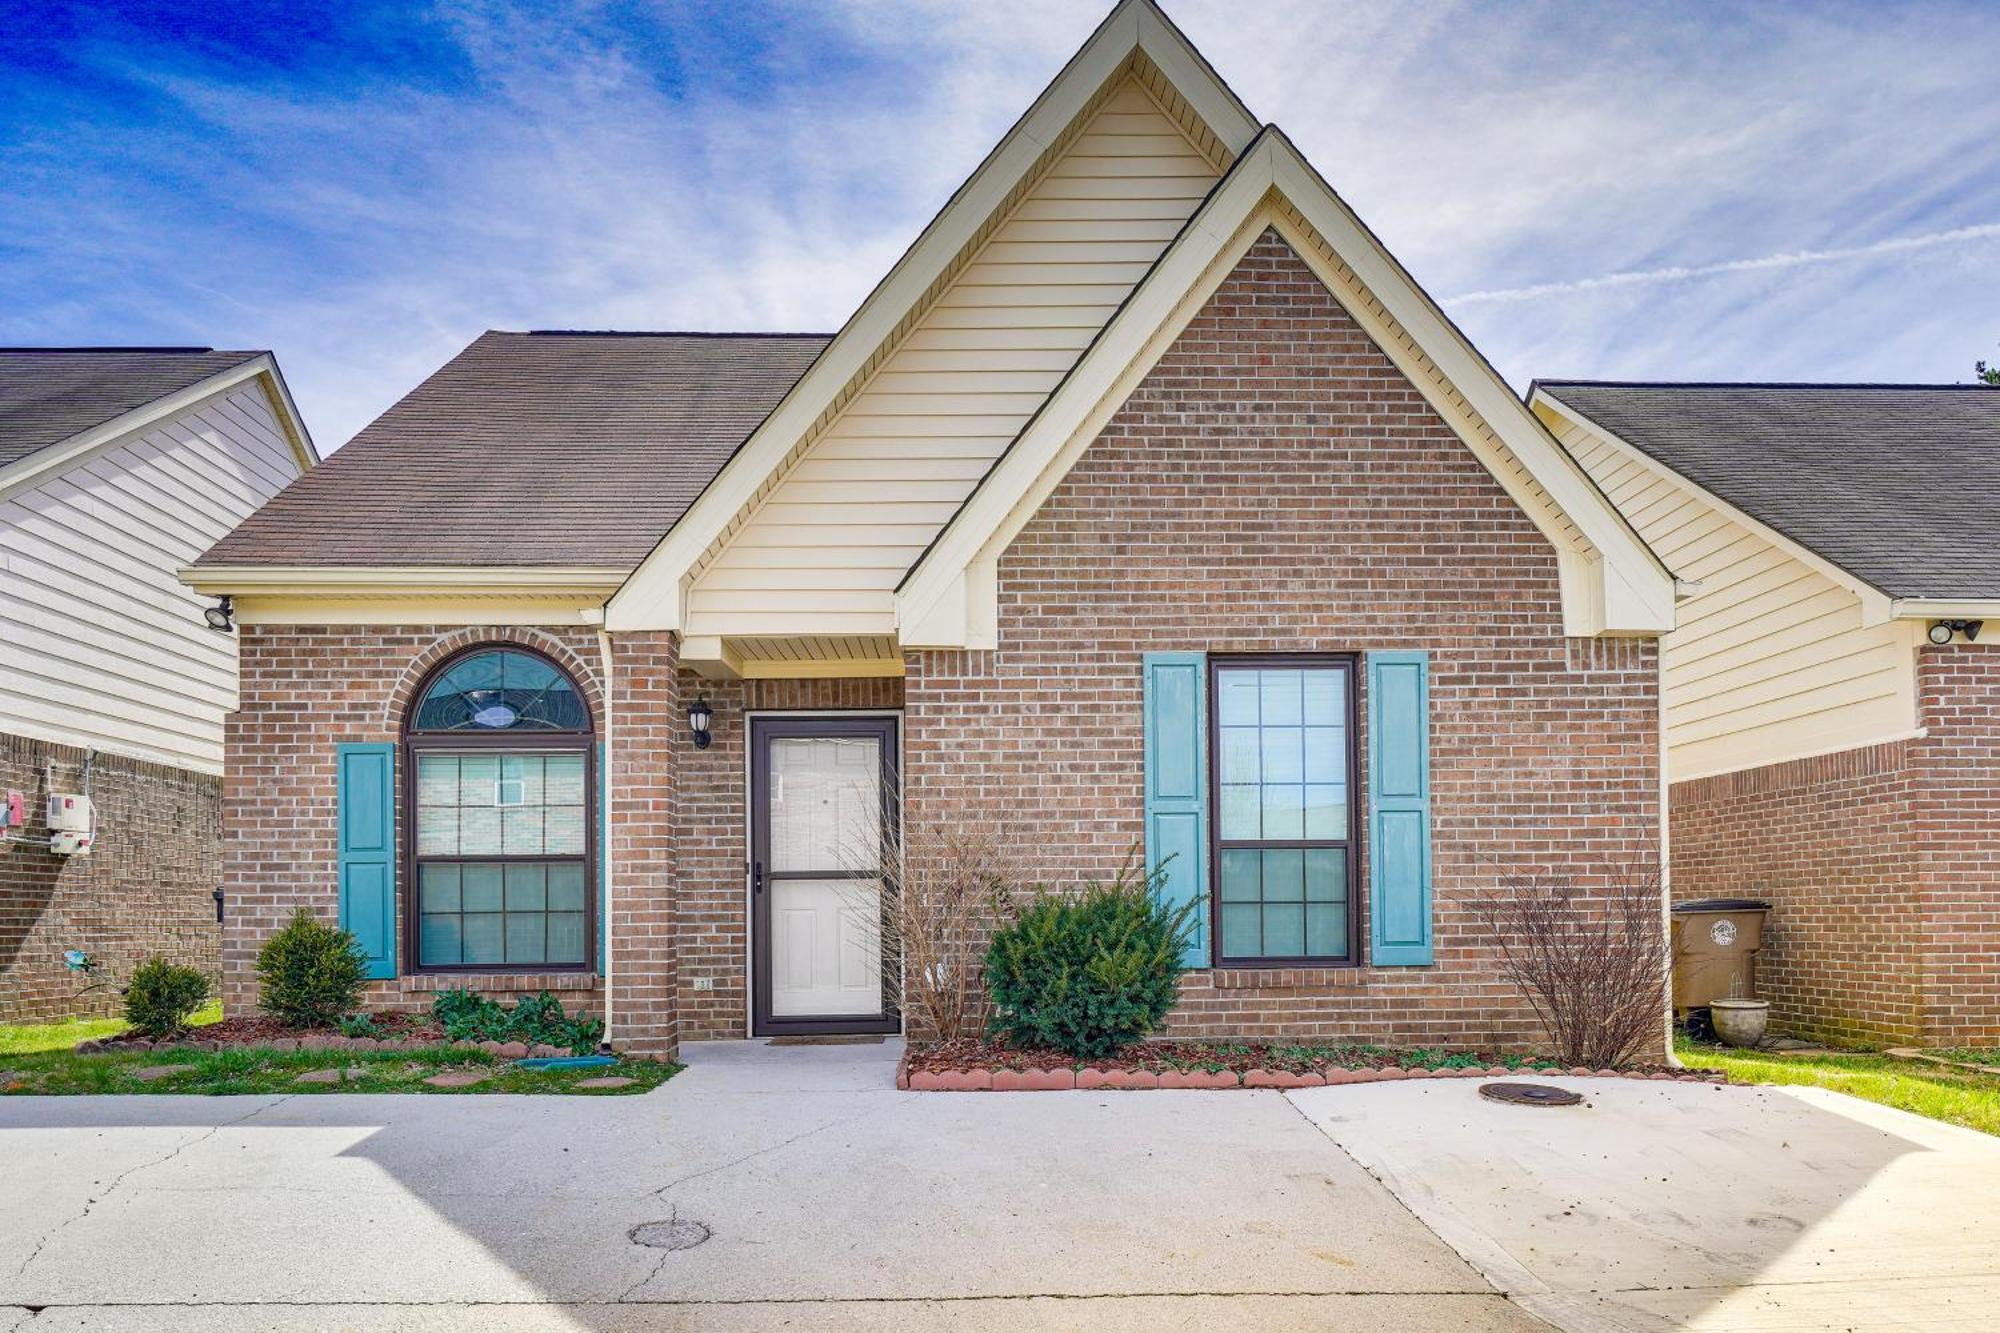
1833	686
1146	501
118	466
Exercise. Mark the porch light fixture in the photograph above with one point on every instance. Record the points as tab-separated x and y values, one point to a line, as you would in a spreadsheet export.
1942	630
221	617
699	718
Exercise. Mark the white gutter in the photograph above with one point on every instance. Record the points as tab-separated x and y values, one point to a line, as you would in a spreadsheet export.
604	829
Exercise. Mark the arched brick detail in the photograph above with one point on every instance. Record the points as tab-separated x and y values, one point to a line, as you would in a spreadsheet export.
521	636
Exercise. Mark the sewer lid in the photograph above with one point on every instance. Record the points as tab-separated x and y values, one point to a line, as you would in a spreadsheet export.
1529	1094
678	1233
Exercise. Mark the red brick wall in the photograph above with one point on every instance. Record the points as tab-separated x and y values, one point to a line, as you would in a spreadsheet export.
145	890
712	836
305	690
1958	841
1829	842
1882	865
1275	484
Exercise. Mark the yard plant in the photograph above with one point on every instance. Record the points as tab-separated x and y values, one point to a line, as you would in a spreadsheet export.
310	973
1591	958
1091	972
162	997
537	1020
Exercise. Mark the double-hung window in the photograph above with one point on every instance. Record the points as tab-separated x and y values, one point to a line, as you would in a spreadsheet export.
1283	809
499	749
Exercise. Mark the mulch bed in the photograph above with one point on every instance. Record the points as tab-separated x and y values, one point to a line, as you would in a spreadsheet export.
973	1065
396	1032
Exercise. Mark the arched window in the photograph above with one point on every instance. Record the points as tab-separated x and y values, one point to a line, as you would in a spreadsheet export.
502	793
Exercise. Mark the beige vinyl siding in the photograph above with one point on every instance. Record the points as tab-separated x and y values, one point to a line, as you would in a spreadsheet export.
823	552
1769	660
100	646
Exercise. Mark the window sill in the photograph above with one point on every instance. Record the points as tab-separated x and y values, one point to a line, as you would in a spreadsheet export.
1273	978
505	982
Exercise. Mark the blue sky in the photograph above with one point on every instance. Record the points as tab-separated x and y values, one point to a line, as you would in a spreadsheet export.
1706	190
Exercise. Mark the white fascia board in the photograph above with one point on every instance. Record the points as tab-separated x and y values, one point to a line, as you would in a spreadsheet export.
1621	589
52	459
654	596
1639	589
1944	608
1877	607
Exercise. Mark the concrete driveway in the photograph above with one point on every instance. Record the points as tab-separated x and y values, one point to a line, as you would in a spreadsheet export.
1681	1206
831	1202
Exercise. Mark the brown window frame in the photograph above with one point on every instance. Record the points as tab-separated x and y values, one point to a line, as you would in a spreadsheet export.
1350	665
415	743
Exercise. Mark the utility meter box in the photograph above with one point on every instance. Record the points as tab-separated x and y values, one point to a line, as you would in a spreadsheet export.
70	813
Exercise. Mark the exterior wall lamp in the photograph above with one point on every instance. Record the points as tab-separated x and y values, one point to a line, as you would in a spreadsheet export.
221	617
1942	630
700	716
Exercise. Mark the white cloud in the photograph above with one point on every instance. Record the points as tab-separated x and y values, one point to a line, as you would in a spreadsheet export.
1619	164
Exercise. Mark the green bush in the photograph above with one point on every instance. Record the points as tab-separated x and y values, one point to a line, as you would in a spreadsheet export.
1090	973
310	973
538	1020
163	996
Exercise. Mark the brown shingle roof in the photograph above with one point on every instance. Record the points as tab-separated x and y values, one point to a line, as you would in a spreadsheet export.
1895	483
532	449
48	394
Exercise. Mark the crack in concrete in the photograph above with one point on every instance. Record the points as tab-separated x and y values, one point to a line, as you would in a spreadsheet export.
133	1170
760	1152
660	1264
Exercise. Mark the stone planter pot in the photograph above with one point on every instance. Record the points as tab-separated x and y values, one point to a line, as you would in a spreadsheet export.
1740	1022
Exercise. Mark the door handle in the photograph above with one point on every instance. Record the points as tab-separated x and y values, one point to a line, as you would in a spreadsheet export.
756	877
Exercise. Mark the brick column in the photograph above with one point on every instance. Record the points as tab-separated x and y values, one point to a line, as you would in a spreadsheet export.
647	729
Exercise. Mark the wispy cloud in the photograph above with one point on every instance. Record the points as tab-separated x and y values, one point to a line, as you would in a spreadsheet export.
369	187
1681	273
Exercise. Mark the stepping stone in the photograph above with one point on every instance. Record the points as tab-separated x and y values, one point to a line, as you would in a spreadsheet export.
609	1081
457	1078
320	1076
151	1072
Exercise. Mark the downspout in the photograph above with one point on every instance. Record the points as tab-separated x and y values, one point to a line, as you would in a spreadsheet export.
604	832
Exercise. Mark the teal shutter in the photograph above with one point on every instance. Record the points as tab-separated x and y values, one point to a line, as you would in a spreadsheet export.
1177	785
367	851
1399	809
603	850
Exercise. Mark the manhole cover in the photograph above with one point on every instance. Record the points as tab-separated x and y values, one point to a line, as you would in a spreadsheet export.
1529	1094
679	1233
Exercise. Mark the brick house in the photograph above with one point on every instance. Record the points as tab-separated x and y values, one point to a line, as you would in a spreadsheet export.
118	465
1832	721
1145	503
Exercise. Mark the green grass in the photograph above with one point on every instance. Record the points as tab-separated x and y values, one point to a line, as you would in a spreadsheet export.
251	1069
1972	1055
33	1038
1955	1096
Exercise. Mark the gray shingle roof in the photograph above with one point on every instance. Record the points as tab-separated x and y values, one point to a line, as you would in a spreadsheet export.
1897	484
532	449
48	394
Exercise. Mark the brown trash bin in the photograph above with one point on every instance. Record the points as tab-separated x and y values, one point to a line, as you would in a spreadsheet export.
1715	950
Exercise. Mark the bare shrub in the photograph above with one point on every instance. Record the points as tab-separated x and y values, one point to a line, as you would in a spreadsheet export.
1593	963
941	889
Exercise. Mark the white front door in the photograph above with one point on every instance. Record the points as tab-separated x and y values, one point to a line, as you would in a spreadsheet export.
819	790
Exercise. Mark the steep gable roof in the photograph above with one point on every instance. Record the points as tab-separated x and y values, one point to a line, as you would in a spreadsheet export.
1135	40
1893	483
559	449
1612	582
49	394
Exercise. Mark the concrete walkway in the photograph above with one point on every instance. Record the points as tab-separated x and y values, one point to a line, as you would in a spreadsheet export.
1692	1207
831	1201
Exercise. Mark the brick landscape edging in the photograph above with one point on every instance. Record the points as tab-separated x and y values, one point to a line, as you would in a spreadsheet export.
1089	1079
506	1050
